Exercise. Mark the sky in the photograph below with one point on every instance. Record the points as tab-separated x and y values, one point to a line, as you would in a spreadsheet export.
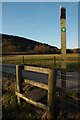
79	25
41	21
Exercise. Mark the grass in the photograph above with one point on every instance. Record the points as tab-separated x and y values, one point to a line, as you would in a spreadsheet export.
44	60
10	107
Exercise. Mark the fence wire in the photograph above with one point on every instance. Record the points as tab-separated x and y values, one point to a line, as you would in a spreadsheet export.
70	95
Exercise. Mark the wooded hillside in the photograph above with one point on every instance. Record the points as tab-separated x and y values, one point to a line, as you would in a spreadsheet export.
13	44
19	45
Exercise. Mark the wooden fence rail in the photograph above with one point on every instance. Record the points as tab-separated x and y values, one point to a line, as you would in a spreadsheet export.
51	88
37	84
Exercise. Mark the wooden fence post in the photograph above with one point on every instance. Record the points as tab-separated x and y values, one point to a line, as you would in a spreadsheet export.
54	61
19	81
63	85
23	59
51	94
63	56
63	78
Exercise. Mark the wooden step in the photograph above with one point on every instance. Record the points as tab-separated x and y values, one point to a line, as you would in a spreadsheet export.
36	94
33	102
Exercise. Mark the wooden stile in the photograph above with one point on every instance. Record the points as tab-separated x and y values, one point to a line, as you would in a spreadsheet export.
51	87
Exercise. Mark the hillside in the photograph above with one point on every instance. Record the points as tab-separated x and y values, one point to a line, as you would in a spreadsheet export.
14	44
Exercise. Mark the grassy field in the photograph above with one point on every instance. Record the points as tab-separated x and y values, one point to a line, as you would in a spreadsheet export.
43	60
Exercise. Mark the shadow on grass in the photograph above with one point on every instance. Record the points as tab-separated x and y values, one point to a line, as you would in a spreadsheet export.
16	112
